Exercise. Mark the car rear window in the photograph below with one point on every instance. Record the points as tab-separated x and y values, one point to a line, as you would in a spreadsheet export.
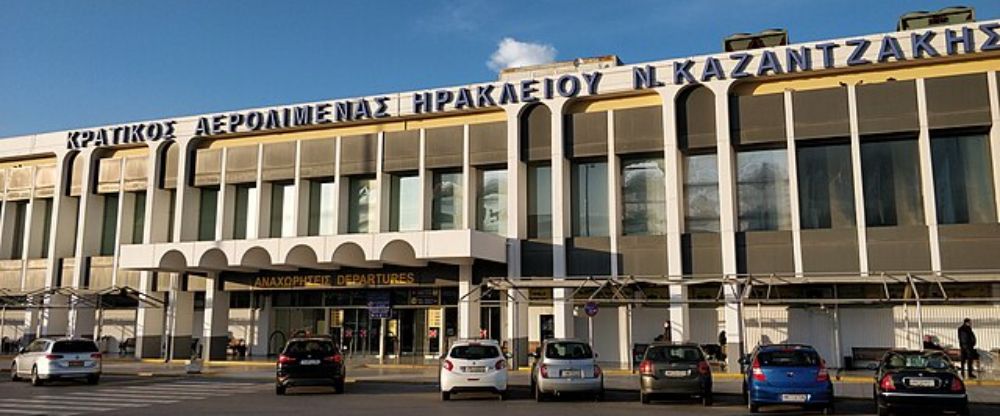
789	358
474	352
568	351
74	346
674	354
310	347
917	361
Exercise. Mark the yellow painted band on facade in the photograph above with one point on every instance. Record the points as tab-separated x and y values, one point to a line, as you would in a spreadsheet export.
872	77
28	162
141	150
402	125
631	101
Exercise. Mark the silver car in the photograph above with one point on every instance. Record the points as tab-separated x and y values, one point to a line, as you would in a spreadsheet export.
50	359
565	366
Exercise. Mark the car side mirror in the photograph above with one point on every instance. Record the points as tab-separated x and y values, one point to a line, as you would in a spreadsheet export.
22	350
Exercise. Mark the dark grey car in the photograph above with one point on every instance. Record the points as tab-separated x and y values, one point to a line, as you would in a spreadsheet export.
675	369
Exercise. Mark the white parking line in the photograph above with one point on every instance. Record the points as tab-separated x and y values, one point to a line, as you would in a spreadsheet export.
80	401
153	399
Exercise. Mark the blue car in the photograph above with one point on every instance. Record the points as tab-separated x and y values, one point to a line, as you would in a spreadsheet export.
787	374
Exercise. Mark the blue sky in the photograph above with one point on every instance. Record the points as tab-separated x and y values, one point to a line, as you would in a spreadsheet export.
71	64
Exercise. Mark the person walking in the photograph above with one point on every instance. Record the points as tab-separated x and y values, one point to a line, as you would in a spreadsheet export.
967	346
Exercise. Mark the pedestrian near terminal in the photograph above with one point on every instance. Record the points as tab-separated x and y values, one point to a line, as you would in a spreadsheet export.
967	347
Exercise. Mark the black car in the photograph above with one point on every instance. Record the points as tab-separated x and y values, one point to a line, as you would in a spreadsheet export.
925	380
310	362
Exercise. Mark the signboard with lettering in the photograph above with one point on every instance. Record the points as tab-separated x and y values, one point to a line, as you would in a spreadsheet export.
436	275
379	306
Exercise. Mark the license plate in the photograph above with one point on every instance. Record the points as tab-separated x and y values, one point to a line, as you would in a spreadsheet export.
794	398
76	363
922	382
477	369
310	362
571	374
676	373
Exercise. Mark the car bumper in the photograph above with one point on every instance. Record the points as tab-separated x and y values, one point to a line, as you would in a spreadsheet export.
775	395
494	381
292	381
923	401
650	385
55	371
570	385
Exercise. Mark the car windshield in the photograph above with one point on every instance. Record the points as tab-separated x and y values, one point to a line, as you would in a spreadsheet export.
674	354
74	346
568	351
309	347
935	361
789	358
474	352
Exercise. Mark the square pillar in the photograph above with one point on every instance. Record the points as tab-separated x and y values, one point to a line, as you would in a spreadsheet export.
215	334
149	329
180	319
468	305
260	330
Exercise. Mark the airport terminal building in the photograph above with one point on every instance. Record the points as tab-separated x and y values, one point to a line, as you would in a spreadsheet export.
839	192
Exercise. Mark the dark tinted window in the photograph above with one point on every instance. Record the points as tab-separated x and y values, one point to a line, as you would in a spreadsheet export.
674	354
568	351
933	361
310	347
475	352
74	346
789	358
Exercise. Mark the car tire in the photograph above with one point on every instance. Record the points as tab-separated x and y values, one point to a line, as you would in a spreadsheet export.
707	399
35	379
93	379
338	387
643	398
13	372
504	395
829	409
445	396
279	390
882	410
753	407
539	396
599	397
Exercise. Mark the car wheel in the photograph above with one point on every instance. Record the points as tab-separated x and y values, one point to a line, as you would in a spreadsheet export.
600	395
504	395
13	372
753	407
643	398
35	379
707	399
445	396
882	410
829	410
338	387
279	390
93	379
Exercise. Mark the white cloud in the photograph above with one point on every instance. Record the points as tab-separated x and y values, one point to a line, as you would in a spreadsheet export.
513	53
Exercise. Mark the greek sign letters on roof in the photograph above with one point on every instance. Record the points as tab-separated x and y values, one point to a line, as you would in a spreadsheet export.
930	43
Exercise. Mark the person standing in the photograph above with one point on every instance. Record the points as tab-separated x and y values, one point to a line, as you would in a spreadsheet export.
967	346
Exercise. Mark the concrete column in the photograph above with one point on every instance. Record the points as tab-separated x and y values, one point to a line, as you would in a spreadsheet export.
859	190
150	319
302	188
383	183
341	196
426	186
260	332
562	308
673	168
728	215
624	338
614	194
225	226
516	317
927	177
215	334
468	305
53	321
149	327
995	132
88	240
793	183
180	318
468	185
187	197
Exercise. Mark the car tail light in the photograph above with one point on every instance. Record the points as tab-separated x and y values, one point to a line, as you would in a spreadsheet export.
53	357
824	374
597	371
646	368
543	370
336	358
284	359
447	365
887	384
96	356
957	385
758	373
703	368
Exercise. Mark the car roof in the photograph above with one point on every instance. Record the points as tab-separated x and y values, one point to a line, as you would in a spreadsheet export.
774	347
311	339
674	344
554	340
467	341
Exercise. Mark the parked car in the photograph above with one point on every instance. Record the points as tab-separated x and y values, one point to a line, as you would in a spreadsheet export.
680	369
563	366
52	359
310	362
474	366
925	380
788	374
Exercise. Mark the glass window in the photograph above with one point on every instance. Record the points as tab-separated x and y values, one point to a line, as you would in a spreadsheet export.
207	213
826	186
590	199
20	210
446	208
891	178
245	212
321	205
568	351
644	197
109	227
46	225
170	214
491	207
282	210
762	190
701	193
138	217
404	213
362	204
539	201
963	179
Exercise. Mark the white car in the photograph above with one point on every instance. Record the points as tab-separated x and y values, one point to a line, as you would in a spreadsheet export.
474	366
50	359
